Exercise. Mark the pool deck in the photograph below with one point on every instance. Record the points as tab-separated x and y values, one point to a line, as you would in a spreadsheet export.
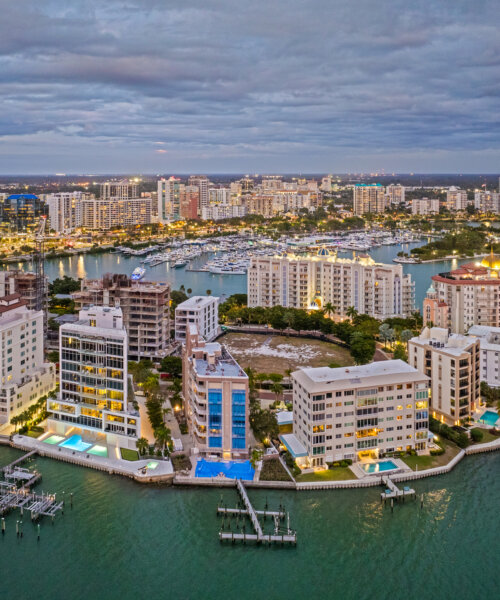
401	467
114	466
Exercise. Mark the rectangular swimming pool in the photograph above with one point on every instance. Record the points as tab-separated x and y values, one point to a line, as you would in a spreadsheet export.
489	418
379	467
231	469
99	451
54	439
75	442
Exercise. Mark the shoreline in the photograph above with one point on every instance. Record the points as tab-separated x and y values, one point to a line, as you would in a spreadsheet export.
450	257
179	479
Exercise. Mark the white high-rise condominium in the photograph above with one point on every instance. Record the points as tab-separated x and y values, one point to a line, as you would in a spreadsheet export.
24	376
395	194
368	198
201	181
456	199
93	396
123	189
65	210
201	311
487	202
312	282
357	412
170	192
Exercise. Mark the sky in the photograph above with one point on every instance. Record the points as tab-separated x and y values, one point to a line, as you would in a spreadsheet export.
268	86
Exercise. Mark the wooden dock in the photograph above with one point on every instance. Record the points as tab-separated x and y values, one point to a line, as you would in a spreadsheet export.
18	461
393	492
283	535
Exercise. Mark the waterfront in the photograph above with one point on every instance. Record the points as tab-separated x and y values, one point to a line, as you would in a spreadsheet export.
125	540
96	265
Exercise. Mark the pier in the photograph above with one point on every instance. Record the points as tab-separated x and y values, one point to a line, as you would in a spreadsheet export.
15	491
283	535
393	492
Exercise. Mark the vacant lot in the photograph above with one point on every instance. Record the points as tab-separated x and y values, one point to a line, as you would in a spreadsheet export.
277	353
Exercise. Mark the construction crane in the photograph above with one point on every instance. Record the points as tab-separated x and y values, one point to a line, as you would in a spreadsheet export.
38	264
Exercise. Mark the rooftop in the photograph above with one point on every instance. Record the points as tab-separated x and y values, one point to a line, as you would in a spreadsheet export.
376	373
293	445
219	363
197	302
438	337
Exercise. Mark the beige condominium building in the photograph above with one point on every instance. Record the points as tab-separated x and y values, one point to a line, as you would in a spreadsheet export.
358	412
452	362
145	306
466	296
311	282
24	376
215	390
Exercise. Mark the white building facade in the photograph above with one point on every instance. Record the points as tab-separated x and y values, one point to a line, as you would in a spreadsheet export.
94	392
379	290
24	375
489	347
359	412
202	311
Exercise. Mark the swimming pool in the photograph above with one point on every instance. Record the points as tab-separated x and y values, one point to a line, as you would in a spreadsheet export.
489	418
379	467
231	469
98	451
75	442
54	439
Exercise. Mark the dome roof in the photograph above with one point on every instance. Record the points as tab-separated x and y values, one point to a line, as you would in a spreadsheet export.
323	252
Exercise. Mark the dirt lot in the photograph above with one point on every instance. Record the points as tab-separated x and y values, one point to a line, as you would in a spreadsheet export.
276	354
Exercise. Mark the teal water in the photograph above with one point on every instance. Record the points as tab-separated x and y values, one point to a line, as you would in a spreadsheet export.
124	541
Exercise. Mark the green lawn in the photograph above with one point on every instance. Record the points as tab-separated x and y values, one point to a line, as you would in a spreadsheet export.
487	437
128	454
429	462
34	434
273	470
335	474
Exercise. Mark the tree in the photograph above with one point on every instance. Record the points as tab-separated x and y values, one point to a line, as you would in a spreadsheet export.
264	424
406	335
476	434
384	333
142	445
162	438
209	292
189	291
277	390
171	365
329	309
351	312
400	353
362	348
53	356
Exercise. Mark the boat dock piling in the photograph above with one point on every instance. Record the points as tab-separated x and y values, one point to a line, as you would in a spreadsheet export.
392	492
281	534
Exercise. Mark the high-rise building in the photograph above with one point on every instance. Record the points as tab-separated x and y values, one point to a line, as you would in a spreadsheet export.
487	202
201	182
425	206
311	282
368	198
122	190
189	201
452	363
170	192
456	199
105	214
145	310
22	211
93	395
25	284
395	194
65	210
358	412
215	390
203	311
489	345
468	295
24	375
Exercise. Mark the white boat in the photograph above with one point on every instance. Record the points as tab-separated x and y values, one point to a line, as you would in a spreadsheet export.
138	273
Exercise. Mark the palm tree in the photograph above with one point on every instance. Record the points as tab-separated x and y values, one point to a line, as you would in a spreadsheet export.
189	291
384	332
329	309
406	335
142	445
277	389
209	292
352	313
162	438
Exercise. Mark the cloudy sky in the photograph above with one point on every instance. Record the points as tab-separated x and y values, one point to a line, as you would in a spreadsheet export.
177	86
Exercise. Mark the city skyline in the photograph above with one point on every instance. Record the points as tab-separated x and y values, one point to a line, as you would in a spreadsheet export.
139	87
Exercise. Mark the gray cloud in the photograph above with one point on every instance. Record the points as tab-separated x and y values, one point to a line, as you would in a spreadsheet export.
322	85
